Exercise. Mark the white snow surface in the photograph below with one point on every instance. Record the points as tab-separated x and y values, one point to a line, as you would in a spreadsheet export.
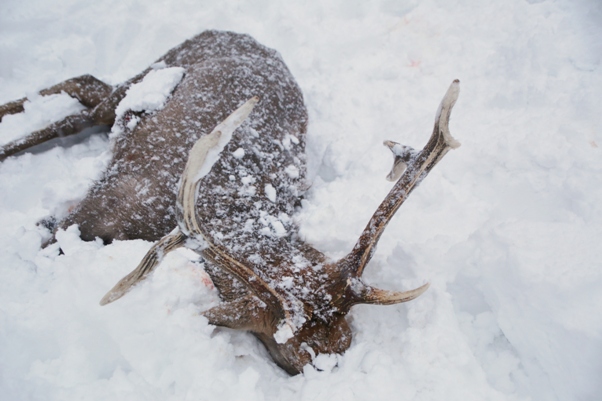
507	228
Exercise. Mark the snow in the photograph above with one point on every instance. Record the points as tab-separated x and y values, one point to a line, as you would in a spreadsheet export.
148	95
239	153
292	171
270	192
273	226
506	228
283	333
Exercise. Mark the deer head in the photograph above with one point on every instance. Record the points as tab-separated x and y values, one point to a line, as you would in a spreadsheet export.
279	288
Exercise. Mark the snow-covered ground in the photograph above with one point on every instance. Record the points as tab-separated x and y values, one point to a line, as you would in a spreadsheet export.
507	228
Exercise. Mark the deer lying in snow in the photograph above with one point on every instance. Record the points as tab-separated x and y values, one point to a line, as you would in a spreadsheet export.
233	199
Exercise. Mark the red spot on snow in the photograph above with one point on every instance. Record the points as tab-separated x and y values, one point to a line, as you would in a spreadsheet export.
206	280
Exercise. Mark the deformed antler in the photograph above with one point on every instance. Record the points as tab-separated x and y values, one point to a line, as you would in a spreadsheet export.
295	324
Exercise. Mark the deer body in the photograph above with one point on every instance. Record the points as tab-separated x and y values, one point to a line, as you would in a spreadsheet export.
233	196
136	196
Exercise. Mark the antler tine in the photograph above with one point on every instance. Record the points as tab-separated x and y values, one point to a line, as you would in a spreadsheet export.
365	294
401	157
198	165
419	164
146	266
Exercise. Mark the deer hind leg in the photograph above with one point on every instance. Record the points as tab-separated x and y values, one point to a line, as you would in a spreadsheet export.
88	90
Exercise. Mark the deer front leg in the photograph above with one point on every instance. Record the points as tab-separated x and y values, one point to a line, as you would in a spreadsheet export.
13	107
88	90
68	126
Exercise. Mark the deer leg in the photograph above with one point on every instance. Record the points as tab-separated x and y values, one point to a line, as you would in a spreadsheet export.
68	126
150	261
88	90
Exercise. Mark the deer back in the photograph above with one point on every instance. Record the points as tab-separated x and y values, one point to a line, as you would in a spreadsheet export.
135	198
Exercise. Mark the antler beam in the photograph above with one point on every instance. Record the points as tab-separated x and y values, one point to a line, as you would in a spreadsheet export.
419	164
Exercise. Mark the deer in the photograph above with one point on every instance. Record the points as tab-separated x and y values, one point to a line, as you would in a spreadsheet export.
220	169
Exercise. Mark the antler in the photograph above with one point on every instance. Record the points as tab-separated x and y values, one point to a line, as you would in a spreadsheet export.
202	156
417	165
294	324
151	260
199	164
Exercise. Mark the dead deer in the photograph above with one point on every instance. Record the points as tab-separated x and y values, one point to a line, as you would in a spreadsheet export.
233	200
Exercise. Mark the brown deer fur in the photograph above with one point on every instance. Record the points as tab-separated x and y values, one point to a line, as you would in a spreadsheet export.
232	199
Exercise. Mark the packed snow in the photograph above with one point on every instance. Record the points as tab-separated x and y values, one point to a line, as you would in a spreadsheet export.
507	228
150	94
